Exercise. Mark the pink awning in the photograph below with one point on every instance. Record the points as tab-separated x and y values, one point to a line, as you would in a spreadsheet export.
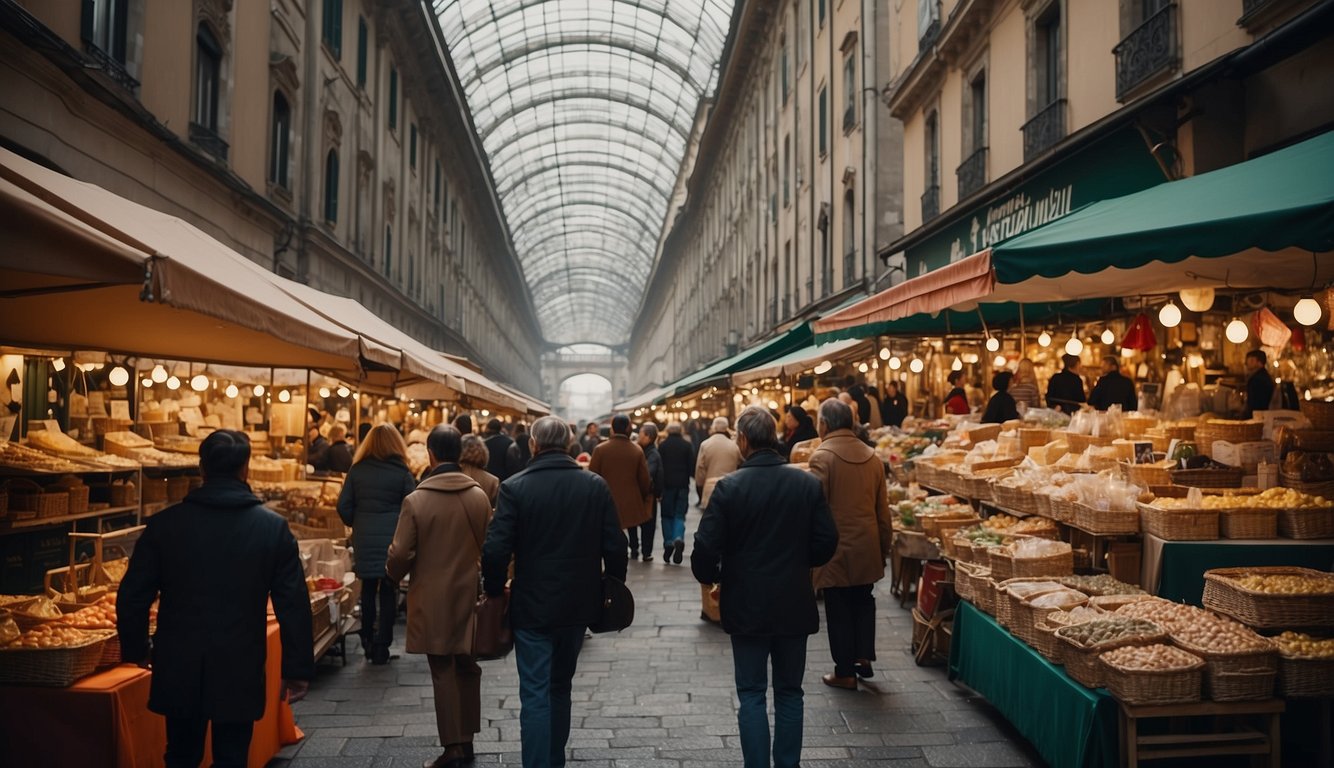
969	279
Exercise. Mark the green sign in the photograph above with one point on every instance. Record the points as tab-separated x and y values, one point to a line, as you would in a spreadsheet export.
1116	165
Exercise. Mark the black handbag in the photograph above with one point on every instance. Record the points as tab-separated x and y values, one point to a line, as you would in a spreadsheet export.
492	637
618	607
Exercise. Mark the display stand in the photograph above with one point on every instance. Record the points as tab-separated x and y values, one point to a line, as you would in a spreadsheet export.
1240	741
1175	569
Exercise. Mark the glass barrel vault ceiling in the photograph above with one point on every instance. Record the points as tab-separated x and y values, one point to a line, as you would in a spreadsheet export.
585	109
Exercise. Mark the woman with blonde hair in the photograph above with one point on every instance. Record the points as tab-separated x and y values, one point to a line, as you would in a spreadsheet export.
1024	385
370	502
473	460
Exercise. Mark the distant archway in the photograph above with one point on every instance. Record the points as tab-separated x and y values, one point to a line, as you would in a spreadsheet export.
583	396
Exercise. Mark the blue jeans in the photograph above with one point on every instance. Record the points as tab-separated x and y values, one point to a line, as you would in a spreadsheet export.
675	501
546	659
750	658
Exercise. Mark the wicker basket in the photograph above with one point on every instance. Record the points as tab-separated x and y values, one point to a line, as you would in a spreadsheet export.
1300	677
1229	477
1319	412
1240	676
983	433
986	593
1083	663
124	494
1231	431
177	488
1141	686
78	499
1062	511
937	526
1060	564
1146	475
954	547
52	667
1045	642
1313	523
1248	523
1105	523
1024	619
26	496
1016	499
1081	443
1138	425
1179	524
1111	603
1223	594
1042	504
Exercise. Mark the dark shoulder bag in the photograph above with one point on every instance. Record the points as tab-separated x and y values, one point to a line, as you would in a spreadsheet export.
618	606
492	637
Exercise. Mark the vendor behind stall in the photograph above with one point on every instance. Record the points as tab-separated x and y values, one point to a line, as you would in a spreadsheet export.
894	408
1113	388
1259	384
1001	408
1065	390
956	400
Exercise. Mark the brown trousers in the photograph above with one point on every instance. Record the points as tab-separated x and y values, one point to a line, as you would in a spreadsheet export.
457	681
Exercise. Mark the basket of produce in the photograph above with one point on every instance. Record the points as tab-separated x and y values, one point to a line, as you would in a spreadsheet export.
1305	666
1227	430
1044	630
77	491
1099	585
52	655
1063	509
1272	597
1042	504
942	526
1009	526
1301	515
1084	643
1175	521
101	615
1319	412
1030	557
1010	591
985	591
1239	664
26	496
1026	612
1152	674
1007	495
1113	603
1105	522
956	547
1148	475
1248	523
35	612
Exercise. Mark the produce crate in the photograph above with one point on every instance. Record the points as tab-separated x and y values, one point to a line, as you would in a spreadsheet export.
1018	499
1248	523
1301	677
1105	522
1179	524
1083	662
52	667
1310	523
1140	686
1006	566
1237	676
1222	593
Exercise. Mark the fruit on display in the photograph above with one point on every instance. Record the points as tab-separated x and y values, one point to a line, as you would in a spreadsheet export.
1101	584
1196	627
1078	615
1108	630
1302	645
1274	498
1150	658
99	615
51	635
1286	584
42	608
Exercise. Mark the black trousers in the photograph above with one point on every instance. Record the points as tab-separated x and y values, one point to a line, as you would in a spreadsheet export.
185	743
850	616
643	531
379	600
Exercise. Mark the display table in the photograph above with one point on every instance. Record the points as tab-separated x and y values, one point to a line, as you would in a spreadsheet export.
1070	725
1175	569
103	720
1219	738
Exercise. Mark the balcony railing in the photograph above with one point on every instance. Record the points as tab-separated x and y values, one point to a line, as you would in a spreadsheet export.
849	268
1045	129
931	203
1147	51
113	69
972	173
930	32
207	140
1249	7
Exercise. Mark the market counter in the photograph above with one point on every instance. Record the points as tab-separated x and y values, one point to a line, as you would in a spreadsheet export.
1070	725
1175	569
103	720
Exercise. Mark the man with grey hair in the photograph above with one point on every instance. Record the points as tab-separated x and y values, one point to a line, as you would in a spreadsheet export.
766	527
678	463
853	479
717	457
559	524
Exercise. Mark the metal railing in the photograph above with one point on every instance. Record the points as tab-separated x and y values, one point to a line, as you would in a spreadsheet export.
972	173
113	69
931	202
927	37
1045	129
1150	49
207	140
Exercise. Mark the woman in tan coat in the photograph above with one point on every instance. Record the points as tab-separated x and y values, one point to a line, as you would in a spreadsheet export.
473	460
718	456
439	541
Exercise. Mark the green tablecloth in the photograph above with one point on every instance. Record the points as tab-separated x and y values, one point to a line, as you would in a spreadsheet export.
1070	725
1183	563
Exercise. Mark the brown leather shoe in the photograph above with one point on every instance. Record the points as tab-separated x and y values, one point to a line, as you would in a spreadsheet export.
834	681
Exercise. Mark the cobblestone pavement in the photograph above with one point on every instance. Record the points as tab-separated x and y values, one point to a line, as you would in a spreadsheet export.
660	695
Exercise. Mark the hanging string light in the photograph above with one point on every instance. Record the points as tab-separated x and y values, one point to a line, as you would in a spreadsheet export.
1237	332
1170	315
1044	339
1307	311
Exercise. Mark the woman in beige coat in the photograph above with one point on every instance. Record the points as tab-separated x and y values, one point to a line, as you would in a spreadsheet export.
473	460
718	456
439	541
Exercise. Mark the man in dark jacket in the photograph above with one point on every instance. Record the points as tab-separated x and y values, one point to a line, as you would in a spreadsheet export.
1113	388
678	466
498	444
1065	391
1259	382
339	457
317	449
648	441
894	408
215	560
521	452
559	523
767	525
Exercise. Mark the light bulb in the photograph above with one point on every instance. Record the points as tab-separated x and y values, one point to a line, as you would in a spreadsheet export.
1237	332
993	343
823	368
284	396
753	391
147	382
1127	353
1170	315
999	362
173	383
259	390
199	383
863	368
1196	361
231	390
916	365
884	353
486	413
1044	339
344	391
1108	337
59	363
735	398
118	376
1307	311
324	391
773	405
694	414
1197	299
1074	346
957	365
895	363
971	358
159	373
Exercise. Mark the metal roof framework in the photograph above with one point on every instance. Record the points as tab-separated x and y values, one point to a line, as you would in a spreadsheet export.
585	109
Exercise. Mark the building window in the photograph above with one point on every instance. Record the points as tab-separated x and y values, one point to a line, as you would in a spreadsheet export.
1046	124
977	92
435	198
331	187
849	238
1048	58
928	23
361	52
850	91
388	251
333	27
782	72
803	18
819	12
208	65
787	171
931	193
823	130
393	99
412	146
278	145
972	172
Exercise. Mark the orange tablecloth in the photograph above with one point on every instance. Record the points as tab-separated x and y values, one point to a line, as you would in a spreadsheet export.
103	720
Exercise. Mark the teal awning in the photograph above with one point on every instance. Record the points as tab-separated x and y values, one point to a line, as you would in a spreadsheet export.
1267	223
774	348
981	317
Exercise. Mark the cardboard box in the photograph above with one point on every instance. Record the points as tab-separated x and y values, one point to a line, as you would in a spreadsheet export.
1245	455
1280	418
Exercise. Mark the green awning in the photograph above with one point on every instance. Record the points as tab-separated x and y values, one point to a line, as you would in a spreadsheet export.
774	348
982	316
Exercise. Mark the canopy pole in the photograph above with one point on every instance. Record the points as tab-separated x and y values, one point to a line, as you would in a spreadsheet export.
1023	332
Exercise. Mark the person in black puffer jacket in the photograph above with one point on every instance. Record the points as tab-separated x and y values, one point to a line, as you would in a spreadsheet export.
372	496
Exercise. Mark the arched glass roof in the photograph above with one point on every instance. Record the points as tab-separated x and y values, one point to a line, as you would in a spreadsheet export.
585	109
